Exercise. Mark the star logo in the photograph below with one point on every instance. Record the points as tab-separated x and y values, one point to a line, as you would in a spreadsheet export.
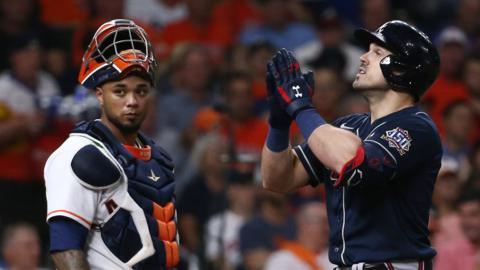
153	177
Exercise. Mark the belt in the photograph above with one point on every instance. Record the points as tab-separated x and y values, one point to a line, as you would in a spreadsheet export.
377	266
422	265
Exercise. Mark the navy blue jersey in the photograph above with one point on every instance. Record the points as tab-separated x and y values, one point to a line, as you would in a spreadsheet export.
382	214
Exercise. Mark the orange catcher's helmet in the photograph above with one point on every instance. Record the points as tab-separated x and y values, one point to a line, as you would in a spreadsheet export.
117	48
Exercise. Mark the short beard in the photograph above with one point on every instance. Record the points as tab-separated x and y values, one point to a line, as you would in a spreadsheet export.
125	129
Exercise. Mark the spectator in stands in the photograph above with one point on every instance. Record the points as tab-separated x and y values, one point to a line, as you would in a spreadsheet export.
27	103
65	13
203	197
198	27
374	13
17	18
257	57
468	20
235	59
237	123
222	243
474	179
234	15
463	253
21	247
449	87
458	123
445	218
332	33
471	77
329	90
156	13
190	75
309	251
278	29
259	236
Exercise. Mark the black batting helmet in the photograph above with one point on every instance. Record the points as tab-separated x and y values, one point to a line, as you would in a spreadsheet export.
413	65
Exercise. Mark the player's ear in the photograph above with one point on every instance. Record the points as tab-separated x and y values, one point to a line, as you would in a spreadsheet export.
99	94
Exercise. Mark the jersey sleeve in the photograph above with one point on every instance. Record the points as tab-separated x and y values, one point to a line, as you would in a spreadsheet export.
394	149
315	169
66	197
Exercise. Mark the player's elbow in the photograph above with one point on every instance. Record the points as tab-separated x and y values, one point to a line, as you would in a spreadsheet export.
271	185
335	147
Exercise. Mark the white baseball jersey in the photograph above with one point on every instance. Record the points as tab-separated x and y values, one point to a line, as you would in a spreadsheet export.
70	197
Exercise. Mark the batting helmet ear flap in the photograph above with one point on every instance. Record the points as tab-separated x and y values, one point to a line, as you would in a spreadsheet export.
395	69
414	63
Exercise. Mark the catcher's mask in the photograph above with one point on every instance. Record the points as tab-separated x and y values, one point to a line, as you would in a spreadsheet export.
117	48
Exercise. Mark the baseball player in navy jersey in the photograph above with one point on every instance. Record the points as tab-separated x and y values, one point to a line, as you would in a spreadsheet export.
378	168
110	189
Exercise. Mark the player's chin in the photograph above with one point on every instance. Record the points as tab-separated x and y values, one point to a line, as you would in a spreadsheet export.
358	84
131	124
130	127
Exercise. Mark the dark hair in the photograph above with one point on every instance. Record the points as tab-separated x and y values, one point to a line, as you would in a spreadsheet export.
11	229
240	177
469	195
474	56
452	106
258	46
230	77
331	58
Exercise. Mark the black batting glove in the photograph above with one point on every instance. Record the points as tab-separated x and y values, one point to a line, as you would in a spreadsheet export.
294	90
278	118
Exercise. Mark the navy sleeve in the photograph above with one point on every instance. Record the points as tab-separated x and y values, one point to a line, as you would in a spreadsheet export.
310	162
66	234
395	149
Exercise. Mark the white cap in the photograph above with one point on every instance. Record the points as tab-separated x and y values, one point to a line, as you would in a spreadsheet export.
452	34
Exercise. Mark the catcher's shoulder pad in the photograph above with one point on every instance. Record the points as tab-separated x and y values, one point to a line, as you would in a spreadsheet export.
94	169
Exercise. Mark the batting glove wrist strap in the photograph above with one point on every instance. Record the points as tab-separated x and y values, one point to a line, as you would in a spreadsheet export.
308	120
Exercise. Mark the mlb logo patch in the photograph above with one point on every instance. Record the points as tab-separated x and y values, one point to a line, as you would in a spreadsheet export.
399	139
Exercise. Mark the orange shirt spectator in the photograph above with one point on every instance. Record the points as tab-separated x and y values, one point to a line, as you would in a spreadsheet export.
235	14
247	135
199	27
64	13
449	87
443	92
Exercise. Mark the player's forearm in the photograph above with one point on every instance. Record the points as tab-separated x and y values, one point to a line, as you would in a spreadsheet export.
277	170
70	260
333	146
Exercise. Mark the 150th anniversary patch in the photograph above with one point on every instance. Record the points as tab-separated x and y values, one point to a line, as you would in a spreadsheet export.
399	139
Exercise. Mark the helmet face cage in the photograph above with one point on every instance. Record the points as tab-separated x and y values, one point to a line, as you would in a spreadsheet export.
116	46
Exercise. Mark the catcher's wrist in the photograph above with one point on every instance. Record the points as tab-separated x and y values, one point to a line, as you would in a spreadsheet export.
277	139
308	120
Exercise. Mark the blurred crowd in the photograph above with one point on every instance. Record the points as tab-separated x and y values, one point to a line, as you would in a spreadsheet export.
210	114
